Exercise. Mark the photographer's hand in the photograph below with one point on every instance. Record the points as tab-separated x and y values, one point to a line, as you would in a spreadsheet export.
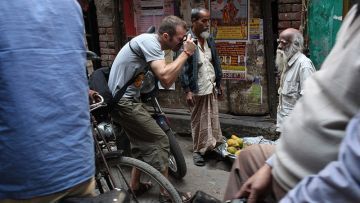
189	45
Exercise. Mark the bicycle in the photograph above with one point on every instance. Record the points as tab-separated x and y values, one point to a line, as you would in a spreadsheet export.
113	170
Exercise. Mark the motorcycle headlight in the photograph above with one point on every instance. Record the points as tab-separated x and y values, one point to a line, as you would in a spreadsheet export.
106	130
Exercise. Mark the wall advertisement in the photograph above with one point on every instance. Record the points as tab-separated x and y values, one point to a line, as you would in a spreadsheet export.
230	19
230	27
233	58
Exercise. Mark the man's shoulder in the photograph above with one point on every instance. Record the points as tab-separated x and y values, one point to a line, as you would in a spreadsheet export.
303	57
304	60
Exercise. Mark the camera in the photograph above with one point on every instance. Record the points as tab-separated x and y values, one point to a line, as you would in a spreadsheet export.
194	39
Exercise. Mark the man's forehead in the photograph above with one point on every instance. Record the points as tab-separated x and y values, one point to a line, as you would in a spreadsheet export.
205	17
286	35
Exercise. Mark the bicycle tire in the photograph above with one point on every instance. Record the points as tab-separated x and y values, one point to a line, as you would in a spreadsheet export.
145	168
180	171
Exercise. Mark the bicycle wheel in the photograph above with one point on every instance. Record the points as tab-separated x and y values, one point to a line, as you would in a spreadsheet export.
177	164
120	170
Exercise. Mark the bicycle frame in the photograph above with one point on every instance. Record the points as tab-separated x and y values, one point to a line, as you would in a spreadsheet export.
100	156
98	149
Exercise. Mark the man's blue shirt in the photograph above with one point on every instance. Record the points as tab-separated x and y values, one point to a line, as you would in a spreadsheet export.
45	137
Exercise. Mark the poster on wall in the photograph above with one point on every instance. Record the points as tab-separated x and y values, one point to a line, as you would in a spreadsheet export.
233	58
256	29
230	19
151	12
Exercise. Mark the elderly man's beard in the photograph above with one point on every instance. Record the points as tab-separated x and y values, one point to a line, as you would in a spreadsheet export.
281	60
205	34
282	57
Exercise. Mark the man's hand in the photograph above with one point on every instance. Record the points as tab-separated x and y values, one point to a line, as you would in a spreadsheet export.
220	94
189	45
92	96
190	99
257	185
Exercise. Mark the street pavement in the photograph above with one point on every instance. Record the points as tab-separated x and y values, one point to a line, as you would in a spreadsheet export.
211	178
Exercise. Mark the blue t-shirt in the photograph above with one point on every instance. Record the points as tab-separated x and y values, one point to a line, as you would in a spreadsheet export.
46	144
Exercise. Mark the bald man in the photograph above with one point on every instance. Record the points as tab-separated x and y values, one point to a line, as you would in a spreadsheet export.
294	68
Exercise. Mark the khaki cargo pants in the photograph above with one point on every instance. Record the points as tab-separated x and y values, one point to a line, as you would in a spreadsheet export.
149	142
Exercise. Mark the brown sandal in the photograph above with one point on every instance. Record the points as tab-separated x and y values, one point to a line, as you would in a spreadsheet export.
185	197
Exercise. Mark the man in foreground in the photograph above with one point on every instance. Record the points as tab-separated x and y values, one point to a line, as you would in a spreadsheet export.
47	151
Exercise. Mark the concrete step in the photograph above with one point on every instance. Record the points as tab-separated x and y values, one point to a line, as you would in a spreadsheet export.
243	126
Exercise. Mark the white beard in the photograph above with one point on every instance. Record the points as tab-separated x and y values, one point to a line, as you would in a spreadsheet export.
281	60
205	34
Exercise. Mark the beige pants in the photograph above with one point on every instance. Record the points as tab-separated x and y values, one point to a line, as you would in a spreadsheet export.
85	189
250	160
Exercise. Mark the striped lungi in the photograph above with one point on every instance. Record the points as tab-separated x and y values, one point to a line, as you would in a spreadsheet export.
205	124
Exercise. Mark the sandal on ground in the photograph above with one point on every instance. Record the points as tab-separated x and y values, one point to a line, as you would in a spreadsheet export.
185	197
198	159
143	187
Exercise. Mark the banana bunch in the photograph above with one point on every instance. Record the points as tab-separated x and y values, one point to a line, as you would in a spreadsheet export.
234	145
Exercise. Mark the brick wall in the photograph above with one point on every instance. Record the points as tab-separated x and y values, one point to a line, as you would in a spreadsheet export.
289	14
105	16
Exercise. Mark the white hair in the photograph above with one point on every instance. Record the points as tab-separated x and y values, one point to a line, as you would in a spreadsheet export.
298	41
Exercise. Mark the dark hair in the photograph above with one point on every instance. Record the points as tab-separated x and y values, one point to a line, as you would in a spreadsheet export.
169	24
195	13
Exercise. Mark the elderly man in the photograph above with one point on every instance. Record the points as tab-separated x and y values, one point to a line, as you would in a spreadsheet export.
295	68
311	135
201	79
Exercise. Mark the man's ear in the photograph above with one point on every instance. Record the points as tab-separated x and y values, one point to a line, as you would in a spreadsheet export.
166	36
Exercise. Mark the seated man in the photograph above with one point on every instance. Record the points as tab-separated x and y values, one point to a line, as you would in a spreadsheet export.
313	132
